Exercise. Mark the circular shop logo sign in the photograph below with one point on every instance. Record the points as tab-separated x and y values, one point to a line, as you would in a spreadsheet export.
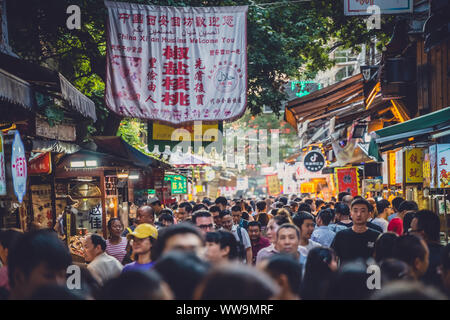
314	161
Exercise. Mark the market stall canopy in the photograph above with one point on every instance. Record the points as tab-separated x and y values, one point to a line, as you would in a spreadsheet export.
180	159
326	100
419	128
118	147
35	76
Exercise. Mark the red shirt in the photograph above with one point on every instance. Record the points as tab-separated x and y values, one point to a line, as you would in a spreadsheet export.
396	225
260	244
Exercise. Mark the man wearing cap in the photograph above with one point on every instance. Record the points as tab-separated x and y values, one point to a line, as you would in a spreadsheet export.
156	205
142	239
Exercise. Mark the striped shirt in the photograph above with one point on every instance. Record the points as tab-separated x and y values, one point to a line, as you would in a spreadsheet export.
117	251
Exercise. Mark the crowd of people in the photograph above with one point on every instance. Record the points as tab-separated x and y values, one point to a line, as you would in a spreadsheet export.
252	249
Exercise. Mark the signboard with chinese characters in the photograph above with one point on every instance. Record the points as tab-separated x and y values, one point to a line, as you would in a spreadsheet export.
414	165
443	165
347	180
314	161
42	205
178	183
63	132
42	164
273	185
359	7
176	64
399	167
19	167
2	168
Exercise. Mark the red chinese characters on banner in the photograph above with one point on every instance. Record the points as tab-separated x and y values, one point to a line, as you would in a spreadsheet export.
347	180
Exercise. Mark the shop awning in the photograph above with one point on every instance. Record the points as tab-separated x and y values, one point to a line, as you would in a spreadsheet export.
418	126
116	146
46	79
336	96
16	90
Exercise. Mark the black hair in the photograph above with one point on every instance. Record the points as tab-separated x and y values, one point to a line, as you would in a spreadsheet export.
133	285
309	201
199	214
341	195
110	222
214	209
236	208
34	248
300	217
187	206
350	282
407	290
182	271
326	216
261	205
166	211
280	264
223	213
429	222
407	248
362	201
319	202
304	207
245	215
170	231
224	239
289	226
342	209
384	246
248	208
393	270
98	240
382	205
408	206
263	218
396	202
237	282
284	200
8	237
54	292
280	220
254	224
317	273
221	200
166	217
174	206
407	219
199	207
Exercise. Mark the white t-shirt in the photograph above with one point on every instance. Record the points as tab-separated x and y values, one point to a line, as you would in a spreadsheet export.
105	267
305	249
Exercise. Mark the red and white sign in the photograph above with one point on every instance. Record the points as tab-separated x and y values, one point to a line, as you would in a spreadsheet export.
19	167
42	164
176	64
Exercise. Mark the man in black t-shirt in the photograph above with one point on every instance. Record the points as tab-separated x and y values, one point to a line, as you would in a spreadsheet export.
357	241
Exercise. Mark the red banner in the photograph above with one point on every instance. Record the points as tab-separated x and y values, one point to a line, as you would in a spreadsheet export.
42	164
347	180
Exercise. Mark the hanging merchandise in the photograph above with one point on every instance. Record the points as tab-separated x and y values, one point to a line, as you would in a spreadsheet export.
19	167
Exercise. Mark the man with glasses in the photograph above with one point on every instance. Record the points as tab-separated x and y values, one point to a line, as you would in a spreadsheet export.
142	240
203	220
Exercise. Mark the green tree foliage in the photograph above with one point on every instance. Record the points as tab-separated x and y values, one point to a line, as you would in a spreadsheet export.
282	38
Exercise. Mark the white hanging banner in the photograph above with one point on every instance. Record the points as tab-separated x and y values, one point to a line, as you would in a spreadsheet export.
2	168
19	167
176	64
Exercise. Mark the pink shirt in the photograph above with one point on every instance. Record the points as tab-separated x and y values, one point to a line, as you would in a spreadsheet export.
117	251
